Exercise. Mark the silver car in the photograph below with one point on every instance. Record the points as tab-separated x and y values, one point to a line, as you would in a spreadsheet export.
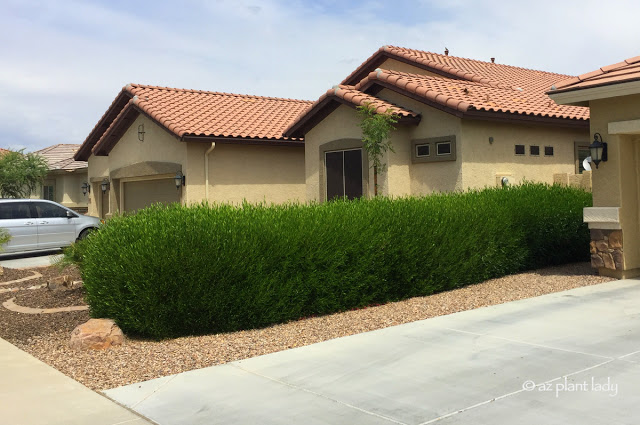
37	224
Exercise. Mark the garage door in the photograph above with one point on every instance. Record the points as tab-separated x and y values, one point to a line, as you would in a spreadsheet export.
140	194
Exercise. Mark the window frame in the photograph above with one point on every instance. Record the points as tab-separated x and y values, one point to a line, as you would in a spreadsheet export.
552	151
577	147
524	150
433	143
531	148
423	145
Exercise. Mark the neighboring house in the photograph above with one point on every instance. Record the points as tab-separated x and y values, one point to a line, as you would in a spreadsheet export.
3	151
66	176
228	147
463	124
612	93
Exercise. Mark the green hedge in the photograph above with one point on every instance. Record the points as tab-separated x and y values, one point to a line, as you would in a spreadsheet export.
170	271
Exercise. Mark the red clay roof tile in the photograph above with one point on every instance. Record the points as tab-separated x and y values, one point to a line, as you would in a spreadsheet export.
621	72
200	113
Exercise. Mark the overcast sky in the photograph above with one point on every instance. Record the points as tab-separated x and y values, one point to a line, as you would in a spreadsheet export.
63	62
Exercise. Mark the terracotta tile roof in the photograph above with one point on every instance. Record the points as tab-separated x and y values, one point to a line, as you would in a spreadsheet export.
3	151
463	96
351	96
197	113
462	86
621	72
60	157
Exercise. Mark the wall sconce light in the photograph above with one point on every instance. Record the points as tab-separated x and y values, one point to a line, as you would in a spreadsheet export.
598	150
105	185
141	132
180	179
491	140
86	188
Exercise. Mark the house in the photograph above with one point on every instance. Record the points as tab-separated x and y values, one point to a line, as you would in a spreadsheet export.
612	94
463	124
66	177
160	144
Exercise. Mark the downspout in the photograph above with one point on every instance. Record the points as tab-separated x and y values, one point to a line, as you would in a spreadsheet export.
206	170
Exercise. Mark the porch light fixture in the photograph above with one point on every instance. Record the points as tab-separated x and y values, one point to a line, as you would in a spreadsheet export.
598	150
141	132
105	185
86	188
180	180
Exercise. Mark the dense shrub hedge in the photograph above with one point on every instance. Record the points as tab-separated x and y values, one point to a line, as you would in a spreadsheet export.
169	271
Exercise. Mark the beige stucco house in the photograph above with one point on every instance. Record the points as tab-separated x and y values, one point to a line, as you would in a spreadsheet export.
613	95
66	176
463	124
227	148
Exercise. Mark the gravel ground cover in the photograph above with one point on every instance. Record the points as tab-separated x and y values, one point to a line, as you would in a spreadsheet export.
46	336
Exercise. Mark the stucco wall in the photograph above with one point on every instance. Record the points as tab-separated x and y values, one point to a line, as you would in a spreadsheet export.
252	172
483	161
68	188
255	173
341	124
616	183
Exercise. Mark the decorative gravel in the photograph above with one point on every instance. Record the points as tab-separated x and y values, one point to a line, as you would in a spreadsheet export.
45	298
139	360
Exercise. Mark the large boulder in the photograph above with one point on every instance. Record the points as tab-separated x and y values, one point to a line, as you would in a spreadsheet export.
96	334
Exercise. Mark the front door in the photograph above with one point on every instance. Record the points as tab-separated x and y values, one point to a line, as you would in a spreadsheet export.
344	174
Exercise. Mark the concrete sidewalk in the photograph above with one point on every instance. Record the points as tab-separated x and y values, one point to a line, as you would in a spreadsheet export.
30	259
567	358
32	393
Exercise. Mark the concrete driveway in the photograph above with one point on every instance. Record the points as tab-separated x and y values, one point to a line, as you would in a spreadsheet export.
30	259
565	358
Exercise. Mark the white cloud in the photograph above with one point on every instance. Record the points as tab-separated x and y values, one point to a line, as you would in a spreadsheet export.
64	64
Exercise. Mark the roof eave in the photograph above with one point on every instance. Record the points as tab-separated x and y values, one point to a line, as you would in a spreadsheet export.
242	140
580	96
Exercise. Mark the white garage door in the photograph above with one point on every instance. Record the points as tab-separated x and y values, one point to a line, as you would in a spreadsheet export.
140	194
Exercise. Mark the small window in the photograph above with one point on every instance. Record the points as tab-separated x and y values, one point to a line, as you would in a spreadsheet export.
423	150
534	150
548	151
47	193
443	148
519	149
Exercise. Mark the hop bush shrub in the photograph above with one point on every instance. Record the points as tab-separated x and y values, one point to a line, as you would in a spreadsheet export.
173	270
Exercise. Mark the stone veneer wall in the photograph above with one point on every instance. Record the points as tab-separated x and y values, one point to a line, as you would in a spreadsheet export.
606	249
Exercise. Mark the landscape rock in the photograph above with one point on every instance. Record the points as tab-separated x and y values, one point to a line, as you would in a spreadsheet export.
96	334
62	282
1	271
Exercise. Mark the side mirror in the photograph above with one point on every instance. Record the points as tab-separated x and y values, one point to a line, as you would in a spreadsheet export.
70	214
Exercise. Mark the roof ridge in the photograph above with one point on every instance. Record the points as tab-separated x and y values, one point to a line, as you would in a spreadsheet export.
252	96
478	61
453	81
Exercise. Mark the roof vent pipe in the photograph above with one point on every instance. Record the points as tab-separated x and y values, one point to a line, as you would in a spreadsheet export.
493	60
446	51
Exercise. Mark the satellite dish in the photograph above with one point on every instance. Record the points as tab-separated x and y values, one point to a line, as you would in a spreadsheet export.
586	164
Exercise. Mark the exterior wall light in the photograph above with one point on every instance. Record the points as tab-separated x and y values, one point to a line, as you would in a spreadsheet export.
141	132
180	179
105	185
598	150
86	188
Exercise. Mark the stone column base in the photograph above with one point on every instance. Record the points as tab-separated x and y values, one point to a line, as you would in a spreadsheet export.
606	249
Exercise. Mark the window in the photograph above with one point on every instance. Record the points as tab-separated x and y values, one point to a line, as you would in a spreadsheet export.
14	210
534	150
344	174
519	149
423	150
581	151
46	210
548	151
48	192
443	148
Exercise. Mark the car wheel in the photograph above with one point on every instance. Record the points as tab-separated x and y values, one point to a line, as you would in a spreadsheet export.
85	233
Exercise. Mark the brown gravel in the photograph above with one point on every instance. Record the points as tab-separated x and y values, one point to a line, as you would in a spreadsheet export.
138	360
51	299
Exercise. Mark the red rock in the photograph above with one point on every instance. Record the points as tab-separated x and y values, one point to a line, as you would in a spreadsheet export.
96	334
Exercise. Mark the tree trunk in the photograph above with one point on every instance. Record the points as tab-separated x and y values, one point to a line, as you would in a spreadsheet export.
375	180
